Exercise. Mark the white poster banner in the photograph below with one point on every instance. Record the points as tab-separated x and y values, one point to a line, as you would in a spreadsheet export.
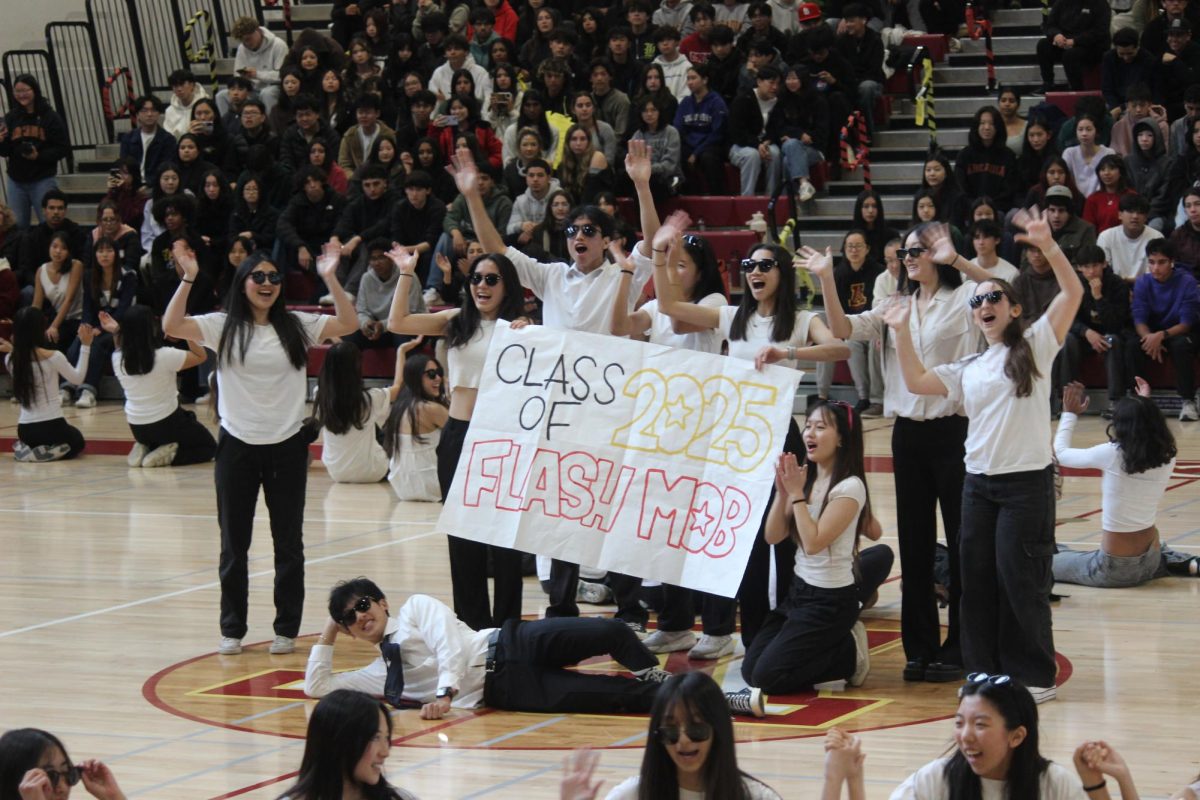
622	455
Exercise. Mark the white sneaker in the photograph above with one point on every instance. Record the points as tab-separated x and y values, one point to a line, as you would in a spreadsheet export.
41	453
1043	695
161	456
230	646
595	594
669	641
711	647
653	675
282	646
87	399
137	454
1187	412
326	300
65	397
22	452
432	297
862	655
807	190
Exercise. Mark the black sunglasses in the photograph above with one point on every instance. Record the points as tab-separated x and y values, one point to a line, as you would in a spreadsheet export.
491	279
916	252
260	277
983	677
992	297
696	731
588	230
692	240
350	615
72	776
762	265
433	372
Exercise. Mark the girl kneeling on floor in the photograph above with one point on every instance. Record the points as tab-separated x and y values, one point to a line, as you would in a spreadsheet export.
414	427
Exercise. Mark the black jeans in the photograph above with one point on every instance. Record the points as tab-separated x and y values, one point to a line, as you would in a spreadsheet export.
805	640
50	433
928	472
196	444
281	469
1007	572
1180	350
1074	60
469	558
1120	362
717	614
531	658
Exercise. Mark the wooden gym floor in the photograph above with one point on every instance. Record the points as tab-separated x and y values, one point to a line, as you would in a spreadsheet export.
108	627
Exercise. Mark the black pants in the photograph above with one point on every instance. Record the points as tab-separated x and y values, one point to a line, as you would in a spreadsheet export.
281	469
805	640
928	471
717	614
708	175
874	566
469	559
386	339
753	596
1120	362
196	444
531	658
1074	60
1180	350
943	16
50	433
1007	572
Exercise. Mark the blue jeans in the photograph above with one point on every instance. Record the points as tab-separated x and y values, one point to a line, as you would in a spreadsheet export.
25	196
1098	568
99	360
798	158
1006	556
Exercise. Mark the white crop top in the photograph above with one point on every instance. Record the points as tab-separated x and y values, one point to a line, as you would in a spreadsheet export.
465	363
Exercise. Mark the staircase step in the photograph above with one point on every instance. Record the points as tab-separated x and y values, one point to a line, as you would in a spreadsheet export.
950	108
1025	74
1001	45
84	183
852	186
1018	16
836	212
918	137
302	16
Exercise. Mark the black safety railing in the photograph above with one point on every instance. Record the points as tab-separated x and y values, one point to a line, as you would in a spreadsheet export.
119	39
75	65
37	64
156	20
184	11
232	9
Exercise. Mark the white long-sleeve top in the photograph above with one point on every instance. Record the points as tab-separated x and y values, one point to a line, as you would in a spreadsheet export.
436	647
47	404
1128	503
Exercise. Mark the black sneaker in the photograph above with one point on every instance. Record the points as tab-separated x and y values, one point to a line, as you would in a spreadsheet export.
941	672
748	702
915	670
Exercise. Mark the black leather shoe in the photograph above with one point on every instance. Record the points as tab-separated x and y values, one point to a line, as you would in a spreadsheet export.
915	670
941	672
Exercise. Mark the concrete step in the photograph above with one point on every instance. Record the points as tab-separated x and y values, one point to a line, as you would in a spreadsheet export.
84	183
1025	74
892	170
962	106
853	185
886	158
1001	46
837	211
307	15
1018	16
919	137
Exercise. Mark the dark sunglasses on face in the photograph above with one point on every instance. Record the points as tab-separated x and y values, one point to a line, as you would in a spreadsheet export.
588	230
992	298
696	732
491	279
433	372
260	277
72	776
916	252
350	615
762	265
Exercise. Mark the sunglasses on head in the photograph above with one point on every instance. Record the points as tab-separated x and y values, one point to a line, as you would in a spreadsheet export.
350	615
491	279
916	252
588	230
72	776
991	297
692	240
762	265
260	277
983	677
433	372
696	732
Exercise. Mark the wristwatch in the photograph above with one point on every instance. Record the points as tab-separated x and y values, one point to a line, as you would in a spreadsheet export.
447	692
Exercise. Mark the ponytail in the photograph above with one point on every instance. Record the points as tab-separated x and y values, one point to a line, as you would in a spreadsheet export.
1020	366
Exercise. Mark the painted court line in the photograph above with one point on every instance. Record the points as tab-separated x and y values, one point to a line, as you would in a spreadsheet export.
528	729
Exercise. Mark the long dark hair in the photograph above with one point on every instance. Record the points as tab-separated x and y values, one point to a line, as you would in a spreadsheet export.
342	400
341	728
139	340
705	702
40	104
785	298
1019	365
1014	703
408	403
96	283
462	328
708	274
20	751
1140	431
239	320
847	463
880	219
1113	160
973	137
539	123
28	334
948	276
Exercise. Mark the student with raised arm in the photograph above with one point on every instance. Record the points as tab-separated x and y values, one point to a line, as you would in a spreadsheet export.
413	430
766	328
494	299
262	358
1007	532
694	267
928	434
575	296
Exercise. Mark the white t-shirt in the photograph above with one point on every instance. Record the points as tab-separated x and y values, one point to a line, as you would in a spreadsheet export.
261	400
153	396
758	334
661	332
1007	433
356	455
1126	256
47	403
929	783
1003	270
628	790
833	567
465	363
573	300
